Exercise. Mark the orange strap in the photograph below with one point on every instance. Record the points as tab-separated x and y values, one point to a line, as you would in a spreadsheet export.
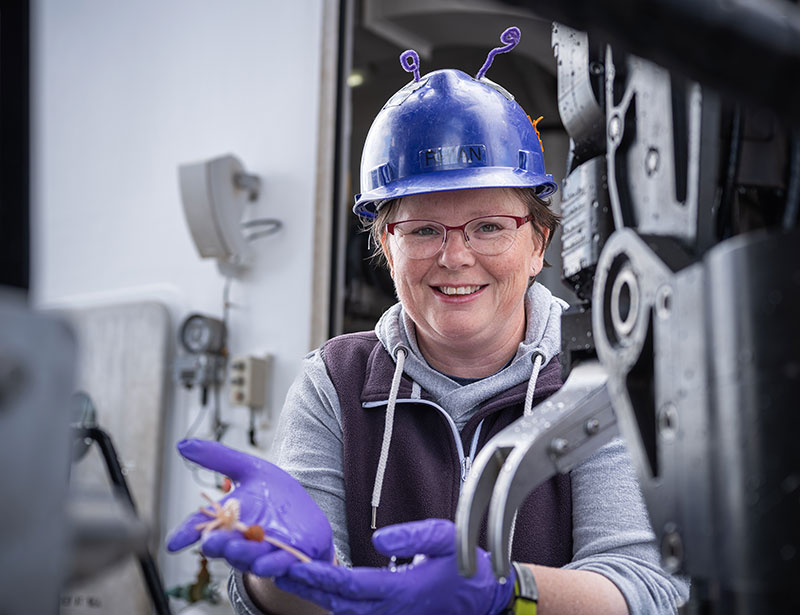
539	119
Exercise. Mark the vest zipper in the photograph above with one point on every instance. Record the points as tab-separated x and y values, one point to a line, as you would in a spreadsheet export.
473	448
466	464
465	461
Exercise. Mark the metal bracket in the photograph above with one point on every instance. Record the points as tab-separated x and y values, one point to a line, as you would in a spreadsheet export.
561	432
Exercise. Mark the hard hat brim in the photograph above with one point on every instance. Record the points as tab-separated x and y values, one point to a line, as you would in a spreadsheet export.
368	203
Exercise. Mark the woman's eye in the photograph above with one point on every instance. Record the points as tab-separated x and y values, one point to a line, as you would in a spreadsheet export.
425	231
488	227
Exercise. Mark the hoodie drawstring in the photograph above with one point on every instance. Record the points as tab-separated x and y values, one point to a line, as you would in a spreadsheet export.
537	358
387	435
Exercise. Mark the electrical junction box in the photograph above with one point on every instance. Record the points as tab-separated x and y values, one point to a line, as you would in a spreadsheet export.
248	381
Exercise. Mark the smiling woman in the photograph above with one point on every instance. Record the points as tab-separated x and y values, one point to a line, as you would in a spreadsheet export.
380	427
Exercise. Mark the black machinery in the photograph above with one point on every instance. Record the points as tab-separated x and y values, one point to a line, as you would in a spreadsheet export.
681	240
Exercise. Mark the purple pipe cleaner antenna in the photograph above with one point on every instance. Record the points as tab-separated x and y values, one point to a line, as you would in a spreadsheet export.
510	37
411	66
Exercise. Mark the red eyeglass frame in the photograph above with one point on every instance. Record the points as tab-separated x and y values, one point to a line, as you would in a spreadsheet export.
520	220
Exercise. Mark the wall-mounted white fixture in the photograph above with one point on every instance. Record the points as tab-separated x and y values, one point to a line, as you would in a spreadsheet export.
214	194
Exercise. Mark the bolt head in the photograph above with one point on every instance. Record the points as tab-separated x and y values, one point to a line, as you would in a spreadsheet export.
559	446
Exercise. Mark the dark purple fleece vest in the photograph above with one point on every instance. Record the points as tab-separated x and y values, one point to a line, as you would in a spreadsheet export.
423	472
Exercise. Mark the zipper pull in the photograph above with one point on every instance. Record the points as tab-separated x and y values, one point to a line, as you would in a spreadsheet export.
466	464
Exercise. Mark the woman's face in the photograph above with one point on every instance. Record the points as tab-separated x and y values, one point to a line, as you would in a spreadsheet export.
489	307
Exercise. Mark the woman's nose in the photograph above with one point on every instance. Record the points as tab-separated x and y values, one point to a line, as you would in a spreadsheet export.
456	251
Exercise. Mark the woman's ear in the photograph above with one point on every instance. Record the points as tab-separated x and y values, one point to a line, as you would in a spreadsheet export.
545	238
537	262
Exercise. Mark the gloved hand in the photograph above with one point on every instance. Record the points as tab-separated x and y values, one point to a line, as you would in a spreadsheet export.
268	497
431	586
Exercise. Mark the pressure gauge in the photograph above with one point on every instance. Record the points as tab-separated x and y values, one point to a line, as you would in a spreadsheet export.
202	334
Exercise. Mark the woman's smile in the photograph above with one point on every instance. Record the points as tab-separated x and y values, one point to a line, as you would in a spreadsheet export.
460	291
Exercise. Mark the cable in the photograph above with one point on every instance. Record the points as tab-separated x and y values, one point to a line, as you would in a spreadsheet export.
195	470
260	234
261	222
191	466
147	563
219	427
251	432
196	423
226	304
273	224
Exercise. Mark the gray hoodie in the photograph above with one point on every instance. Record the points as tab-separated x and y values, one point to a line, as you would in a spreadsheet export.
611	535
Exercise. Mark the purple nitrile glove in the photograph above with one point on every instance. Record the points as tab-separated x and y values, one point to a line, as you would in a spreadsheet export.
429	586
268	497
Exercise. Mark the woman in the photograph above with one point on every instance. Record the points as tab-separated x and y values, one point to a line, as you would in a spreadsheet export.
380	427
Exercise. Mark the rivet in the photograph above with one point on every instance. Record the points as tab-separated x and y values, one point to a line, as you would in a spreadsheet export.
558	446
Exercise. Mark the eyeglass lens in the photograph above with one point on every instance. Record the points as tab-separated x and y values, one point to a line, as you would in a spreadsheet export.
490	235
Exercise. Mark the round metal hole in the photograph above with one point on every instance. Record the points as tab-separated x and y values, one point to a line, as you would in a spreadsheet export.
651	161
624	302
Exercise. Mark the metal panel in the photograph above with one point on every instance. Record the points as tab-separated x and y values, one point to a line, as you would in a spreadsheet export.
682	425
124	368
754	301
580	93
654	137
37	357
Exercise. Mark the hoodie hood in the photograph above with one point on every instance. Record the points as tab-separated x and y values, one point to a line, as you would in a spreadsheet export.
396	330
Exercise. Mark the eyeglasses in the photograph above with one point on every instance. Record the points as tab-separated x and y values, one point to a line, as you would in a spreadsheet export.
487	235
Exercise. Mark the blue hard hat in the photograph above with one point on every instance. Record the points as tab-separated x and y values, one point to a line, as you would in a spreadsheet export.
449	131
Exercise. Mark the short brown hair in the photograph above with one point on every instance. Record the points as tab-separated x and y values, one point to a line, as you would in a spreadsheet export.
539	209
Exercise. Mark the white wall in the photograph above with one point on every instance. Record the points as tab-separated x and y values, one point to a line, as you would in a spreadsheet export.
124	92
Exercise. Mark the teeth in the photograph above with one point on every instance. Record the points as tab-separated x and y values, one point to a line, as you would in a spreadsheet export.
459	290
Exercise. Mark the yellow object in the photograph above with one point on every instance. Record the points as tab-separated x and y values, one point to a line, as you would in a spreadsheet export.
523	606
